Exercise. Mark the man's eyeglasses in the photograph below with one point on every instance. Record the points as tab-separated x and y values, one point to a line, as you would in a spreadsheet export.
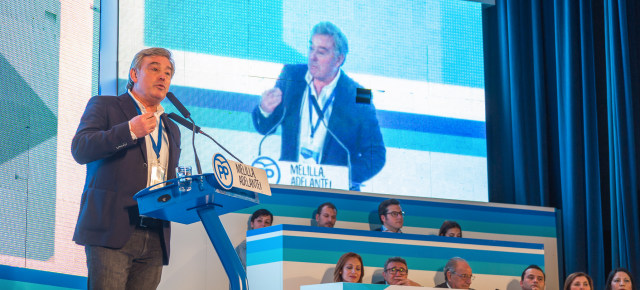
396	213
465	276
394	270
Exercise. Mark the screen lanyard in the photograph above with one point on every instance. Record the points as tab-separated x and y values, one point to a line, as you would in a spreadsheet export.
313	103
156	146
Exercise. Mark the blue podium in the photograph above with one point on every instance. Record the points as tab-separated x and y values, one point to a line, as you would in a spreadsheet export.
205	201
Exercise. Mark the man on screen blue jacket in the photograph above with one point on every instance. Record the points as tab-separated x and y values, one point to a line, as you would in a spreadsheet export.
321	80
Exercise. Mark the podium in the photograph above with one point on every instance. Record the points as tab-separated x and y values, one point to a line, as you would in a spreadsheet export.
211	195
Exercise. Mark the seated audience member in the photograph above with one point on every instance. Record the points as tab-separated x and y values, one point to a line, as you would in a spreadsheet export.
578	281
532	278
349	269
457	274
326	215
620	279
450	229
396	272
391	216
259	219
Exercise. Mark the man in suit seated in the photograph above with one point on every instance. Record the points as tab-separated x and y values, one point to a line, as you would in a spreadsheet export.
457	274
532	278
307	94
396	272
391	216
327	215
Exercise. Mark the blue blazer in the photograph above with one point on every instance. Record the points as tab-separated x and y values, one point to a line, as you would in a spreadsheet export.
356	125
116	170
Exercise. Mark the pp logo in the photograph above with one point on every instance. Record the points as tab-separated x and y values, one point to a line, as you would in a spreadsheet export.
269	166
222	171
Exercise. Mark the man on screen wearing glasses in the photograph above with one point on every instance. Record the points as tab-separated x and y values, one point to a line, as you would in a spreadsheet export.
457	274
396	272
308	97
391	216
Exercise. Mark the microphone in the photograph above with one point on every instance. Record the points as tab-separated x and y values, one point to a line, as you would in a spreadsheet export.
273	129
183	122
190	126
172	98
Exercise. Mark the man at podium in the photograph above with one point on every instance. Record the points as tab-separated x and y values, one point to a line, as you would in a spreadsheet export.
128	144
307	94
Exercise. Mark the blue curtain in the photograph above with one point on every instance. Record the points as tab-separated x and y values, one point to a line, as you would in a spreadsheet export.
560	82
621	28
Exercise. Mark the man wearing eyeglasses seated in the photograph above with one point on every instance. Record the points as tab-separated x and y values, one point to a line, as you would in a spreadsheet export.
396	272
457	274
391	216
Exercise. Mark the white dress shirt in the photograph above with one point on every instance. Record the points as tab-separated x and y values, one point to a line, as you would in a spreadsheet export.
151	154
316	143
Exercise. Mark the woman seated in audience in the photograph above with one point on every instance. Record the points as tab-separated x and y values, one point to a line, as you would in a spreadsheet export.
450	229
349	269
620	279
578	281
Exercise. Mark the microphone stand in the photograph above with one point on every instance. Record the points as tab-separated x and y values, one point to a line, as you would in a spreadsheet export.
271	131
191	126
193	143
351	186
225	149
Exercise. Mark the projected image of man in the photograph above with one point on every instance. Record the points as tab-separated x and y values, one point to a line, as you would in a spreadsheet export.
317	91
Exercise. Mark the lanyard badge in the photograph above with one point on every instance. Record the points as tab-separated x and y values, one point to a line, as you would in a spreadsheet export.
313	103
310	153
158	172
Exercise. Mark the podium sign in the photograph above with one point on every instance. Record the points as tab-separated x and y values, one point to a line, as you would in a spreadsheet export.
242	177
303	174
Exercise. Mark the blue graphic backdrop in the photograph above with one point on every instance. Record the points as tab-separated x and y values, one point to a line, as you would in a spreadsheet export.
387	38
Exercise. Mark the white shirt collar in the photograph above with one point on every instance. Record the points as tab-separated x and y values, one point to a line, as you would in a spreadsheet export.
159	109
328	88
384	229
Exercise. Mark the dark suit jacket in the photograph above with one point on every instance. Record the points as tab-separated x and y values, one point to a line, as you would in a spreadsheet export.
381	282
443	285
116	170
356	125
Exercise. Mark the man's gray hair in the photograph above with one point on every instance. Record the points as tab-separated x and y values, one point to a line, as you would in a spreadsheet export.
451	266
395	259
136	63
339	40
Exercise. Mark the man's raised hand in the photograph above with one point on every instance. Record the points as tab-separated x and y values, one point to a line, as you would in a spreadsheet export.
144	124
271	98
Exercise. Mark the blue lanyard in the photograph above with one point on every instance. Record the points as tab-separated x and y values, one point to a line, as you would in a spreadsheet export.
156	146
313	103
